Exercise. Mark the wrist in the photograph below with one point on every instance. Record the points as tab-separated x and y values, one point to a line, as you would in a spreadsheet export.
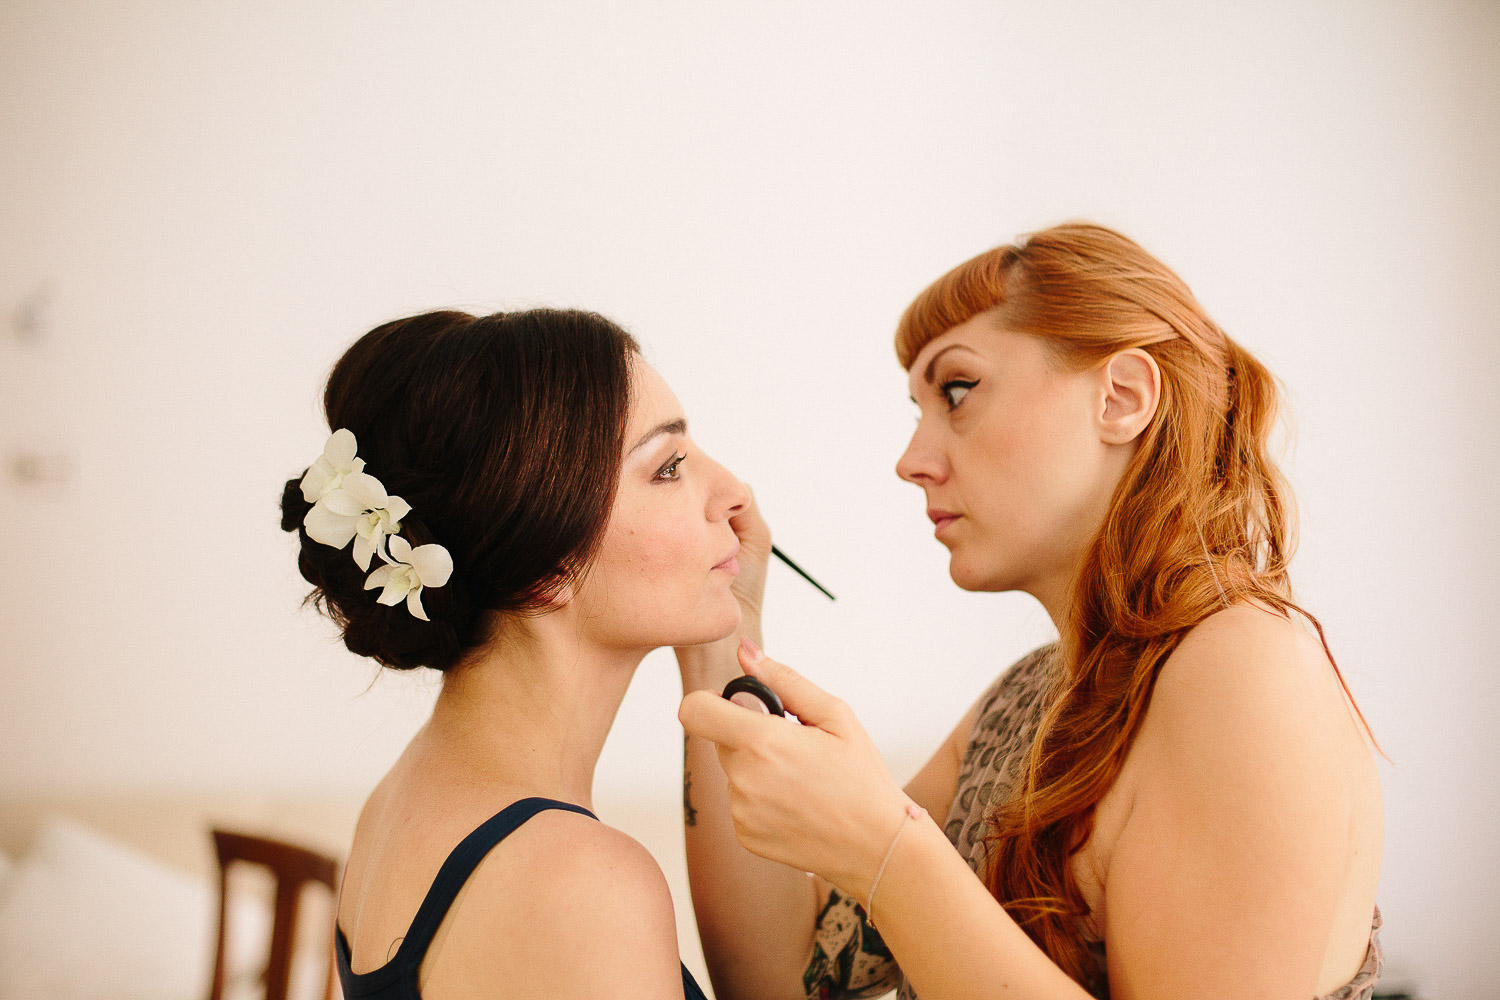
882	829
915	822
714	664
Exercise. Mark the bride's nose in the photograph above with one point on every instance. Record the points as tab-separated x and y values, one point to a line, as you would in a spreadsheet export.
729	496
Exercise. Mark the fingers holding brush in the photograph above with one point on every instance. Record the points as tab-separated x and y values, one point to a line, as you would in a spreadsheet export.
755	551
709	665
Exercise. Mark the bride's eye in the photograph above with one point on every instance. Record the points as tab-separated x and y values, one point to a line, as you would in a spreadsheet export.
667	473
954	391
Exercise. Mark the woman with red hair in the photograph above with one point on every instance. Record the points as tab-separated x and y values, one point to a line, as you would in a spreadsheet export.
1178	798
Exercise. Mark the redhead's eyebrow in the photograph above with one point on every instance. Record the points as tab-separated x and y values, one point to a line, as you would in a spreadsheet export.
932	362
677	426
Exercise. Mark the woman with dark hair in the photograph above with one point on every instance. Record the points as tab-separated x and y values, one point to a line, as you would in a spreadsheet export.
513	500
1176	799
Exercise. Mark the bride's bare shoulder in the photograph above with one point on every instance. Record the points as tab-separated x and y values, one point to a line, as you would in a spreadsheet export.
585	906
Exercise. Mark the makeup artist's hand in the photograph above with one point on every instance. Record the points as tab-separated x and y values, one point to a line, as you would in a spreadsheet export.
755	552
815	796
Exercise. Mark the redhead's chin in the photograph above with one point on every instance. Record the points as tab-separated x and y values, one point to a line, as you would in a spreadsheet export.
963	581
970	575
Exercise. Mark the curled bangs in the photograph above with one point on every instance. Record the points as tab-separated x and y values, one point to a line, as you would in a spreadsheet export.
973	287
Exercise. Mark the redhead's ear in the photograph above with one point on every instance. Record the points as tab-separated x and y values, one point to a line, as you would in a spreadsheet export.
1132	390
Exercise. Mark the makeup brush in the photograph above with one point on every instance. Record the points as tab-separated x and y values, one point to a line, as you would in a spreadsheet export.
800	571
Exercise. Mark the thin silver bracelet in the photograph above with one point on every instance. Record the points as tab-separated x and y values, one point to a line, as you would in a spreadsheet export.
913	811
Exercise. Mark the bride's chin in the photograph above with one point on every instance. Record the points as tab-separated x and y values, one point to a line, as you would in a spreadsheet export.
727	621
731	618
720	622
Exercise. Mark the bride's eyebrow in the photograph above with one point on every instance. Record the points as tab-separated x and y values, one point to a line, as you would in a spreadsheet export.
676	426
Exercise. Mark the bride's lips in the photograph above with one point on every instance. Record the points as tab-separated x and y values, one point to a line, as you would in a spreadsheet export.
730	564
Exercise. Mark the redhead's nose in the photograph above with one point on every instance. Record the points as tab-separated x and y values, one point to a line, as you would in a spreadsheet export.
922	462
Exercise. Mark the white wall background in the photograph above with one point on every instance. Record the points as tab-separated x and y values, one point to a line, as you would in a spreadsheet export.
202	204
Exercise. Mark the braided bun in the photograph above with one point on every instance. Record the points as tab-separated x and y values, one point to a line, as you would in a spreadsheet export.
469	419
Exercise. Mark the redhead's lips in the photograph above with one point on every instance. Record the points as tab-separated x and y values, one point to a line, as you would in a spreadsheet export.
941	519
730	563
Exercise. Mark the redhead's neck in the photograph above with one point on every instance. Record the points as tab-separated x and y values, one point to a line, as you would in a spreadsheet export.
1055	597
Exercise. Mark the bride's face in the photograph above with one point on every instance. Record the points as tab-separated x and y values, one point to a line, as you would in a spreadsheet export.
663	570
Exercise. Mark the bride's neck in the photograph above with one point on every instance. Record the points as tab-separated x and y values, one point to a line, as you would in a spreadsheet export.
533	708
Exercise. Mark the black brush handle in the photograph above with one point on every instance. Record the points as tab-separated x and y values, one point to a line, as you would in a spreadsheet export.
800	571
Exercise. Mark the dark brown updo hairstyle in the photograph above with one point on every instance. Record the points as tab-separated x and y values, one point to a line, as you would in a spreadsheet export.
505	434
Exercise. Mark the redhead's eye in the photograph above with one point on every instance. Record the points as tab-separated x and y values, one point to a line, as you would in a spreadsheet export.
668	473
955	390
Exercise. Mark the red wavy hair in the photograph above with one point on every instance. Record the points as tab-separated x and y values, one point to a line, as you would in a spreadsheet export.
1202	519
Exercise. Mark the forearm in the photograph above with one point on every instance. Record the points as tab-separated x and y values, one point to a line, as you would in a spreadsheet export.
755	917
950	936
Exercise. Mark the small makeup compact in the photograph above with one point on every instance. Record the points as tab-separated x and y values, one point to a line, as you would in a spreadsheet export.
746	687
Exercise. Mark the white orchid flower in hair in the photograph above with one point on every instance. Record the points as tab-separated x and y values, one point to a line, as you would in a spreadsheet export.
358	509
328	472
410	570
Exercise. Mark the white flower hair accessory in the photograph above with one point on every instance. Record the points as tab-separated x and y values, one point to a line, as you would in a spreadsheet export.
349	503
328	472
359	509
411	570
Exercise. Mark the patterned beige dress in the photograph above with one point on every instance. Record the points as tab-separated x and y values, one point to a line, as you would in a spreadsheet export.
849	958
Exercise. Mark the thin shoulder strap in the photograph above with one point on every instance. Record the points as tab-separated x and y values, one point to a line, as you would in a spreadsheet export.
461	863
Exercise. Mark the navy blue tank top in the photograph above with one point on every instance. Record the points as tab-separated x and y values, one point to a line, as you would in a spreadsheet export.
397	979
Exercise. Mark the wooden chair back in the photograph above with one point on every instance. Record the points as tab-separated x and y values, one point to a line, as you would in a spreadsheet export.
292	867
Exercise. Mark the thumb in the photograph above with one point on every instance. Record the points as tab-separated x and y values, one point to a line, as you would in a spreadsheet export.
800	696
750	525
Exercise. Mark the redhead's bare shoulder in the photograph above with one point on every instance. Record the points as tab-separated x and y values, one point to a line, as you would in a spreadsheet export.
1252	797
1248	694
590	903
1244	652
1245	685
